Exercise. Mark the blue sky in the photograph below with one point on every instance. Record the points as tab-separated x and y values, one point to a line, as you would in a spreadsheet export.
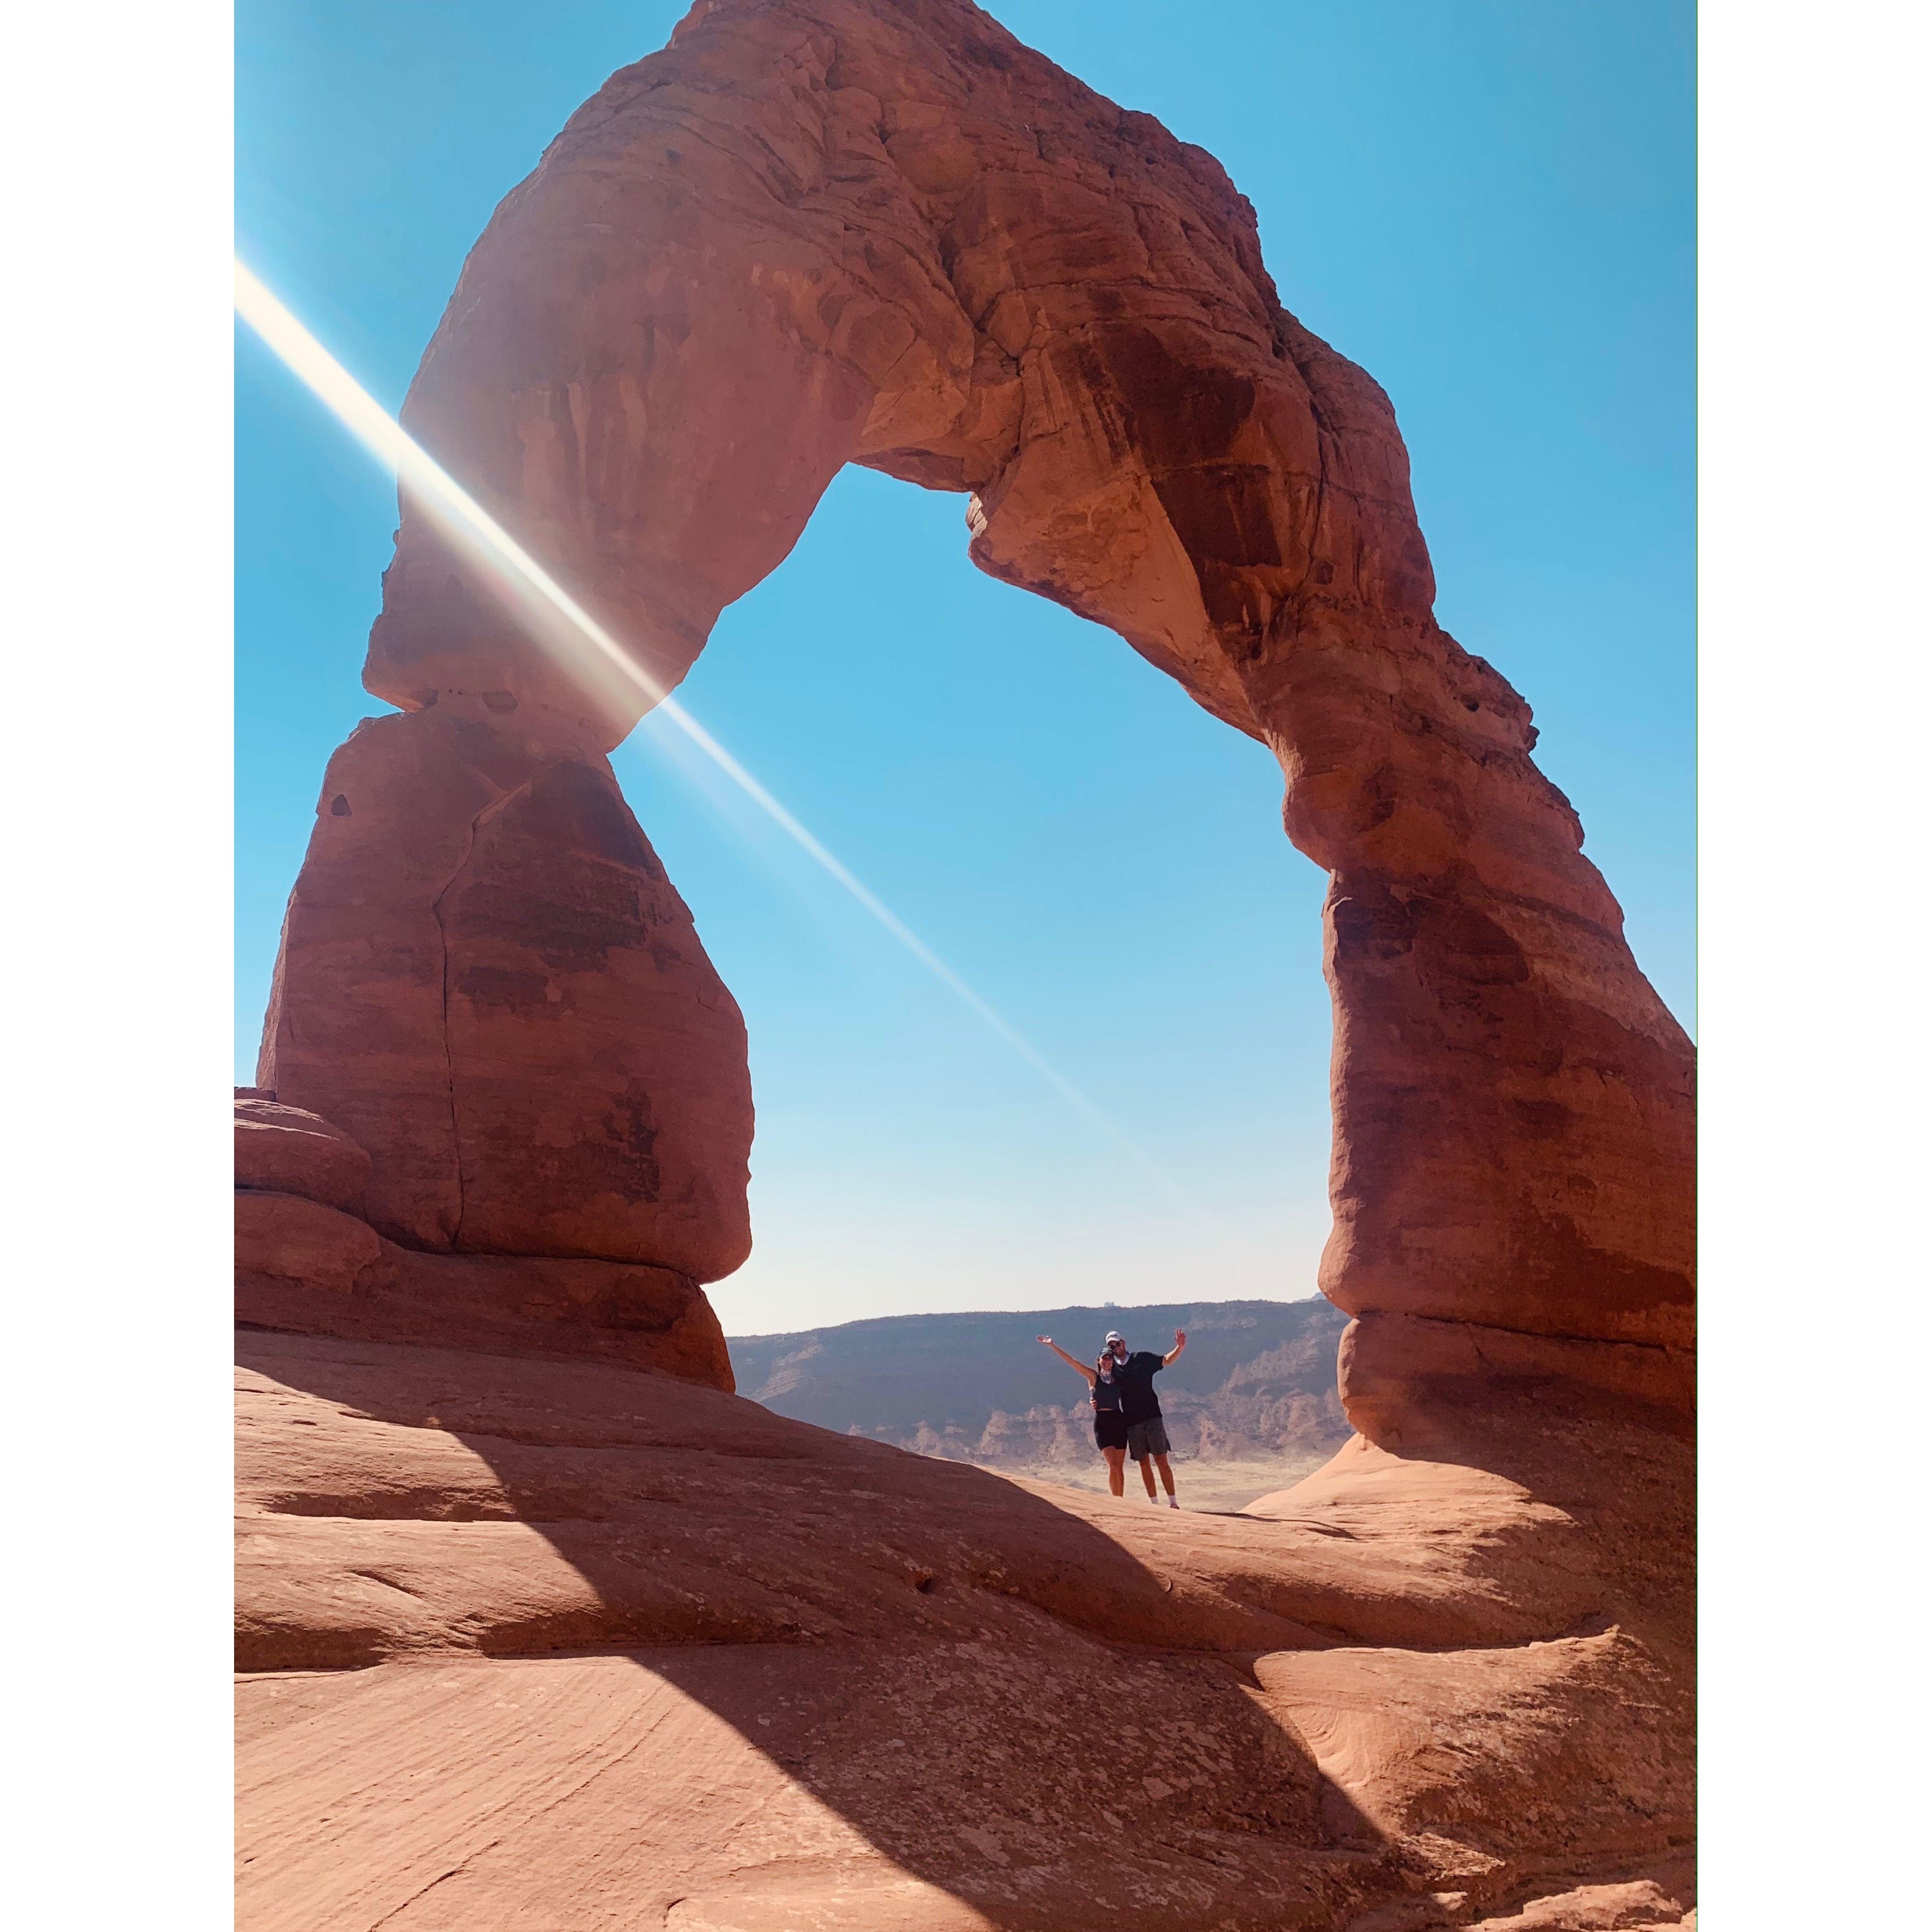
1488	206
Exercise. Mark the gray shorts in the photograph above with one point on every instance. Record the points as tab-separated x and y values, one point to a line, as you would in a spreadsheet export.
1147	1438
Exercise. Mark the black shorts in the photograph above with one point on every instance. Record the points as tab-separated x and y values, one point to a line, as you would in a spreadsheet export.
1110	1429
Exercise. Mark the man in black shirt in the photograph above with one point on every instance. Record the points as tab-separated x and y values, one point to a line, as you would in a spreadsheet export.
1146	1434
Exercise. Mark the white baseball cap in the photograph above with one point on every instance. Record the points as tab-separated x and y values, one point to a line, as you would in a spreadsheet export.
1114	1335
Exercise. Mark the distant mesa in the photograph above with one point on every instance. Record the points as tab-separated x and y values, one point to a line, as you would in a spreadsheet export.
1251	1406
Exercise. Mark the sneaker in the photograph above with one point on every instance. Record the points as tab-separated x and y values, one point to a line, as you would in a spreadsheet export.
1171	1503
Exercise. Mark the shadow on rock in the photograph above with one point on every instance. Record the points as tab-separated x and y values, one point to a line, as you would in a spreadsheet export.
977	1692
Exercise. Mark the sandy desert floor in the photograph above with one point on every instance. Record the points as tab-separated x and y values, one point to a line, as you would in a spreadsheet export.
1215	1486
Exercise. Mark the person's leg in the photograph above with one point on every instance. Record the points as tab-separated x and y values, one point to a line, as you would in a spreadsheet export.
1147	1473
1117	1470
1166	1476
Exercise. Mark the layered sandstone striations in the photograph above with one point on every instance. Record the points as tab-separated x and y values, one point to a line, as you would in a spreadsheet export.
288	1150
672	1660
307	1263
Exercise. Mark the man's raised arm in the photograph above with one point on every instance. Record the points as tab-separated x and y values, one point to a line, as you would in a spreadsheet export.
1180	1342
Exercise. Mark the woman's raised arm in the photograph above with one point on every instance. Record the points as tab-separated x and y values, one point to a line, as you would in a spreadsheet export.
1078	1368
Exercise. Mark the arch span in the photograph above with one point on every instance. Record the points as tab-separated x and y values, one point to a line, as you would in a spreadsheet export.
811	233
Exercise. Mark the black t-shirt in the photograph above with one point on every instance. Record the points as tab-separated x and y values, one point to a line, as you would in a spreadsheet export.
1138	1402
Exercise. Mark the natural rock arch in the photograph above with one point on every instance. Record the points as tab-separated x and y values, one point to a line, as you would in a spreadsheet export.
817	231
666	1650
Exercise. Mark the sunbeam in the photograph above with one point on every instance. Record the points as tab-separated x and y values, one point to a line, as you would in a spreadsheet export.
597	656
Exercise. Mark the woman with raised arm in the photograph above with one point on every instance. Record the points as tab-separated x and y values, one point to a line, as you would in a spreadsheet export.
1110	1422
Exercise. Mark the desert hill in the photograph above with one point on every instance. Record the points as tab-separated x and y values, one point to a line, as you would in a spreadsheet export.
1252	1403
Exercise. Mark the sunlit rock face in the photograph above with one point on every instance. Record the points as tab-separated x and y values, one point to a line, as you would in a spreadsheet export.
808	235
1443	1681
486	980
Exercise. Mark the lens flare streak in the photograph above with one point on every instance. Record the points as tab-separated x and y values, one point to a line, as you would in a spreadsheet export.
434	490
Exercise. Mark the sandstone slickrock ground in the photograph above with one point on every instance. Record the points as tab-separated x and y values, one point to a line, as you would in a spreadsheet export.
551	1644
540	1624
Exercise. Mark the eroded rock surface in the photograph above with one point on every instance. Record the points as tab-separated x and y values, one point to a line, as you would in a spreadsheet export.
288	1150
304	1267
486	979
587	1646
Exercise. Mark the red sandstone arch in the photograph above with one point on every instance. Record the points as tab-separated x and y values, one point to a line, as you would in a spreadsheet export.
816	232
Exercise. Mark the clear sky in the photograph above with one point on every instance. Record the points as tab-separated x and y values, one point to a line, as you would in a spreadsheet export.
1488	204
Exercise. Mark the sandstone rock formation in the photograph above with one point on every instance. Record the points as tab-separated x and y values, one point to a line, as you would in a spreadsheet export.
557	1644
304	1267
809	234
811	1681
487	978
286	1150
